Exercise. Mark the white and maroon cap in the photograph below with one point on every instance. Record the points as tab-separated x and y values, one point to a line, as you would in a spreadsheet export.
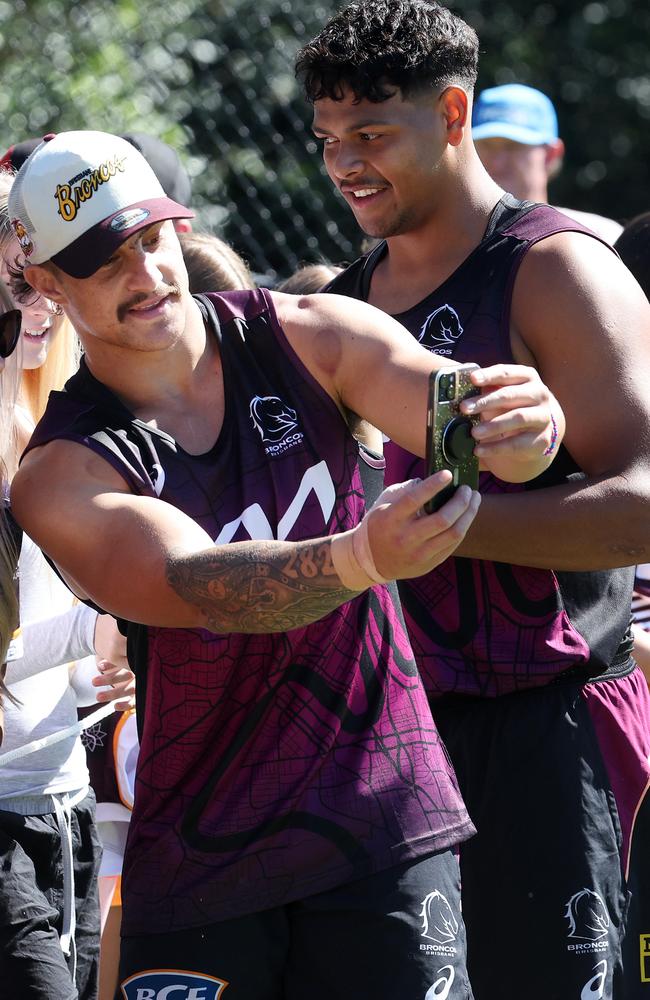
79	195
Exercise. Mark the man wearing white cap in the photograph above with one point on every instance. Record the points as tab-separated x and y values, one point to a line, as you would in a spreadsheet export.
198	478
515	131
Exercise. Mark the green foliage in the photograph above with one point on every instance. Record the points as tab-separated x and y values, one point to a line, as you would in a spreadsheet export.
214	78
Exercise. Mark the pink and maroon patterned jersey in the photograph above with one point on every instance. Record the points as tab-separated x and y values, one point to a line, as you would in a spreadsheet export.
272	766
485	628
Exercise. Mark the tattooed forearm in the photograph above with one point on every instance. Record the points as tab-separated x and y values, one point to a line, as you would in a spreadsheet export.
259	586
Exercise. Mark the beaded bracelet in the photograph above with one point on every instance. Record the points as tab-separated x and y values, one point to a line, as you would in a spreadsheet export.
554	436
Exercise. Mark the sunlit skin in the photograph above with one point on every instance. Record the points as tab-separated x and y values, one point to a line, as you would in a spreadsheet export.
409	171
521	169
382	157
37	332
144	335
133	299
137	300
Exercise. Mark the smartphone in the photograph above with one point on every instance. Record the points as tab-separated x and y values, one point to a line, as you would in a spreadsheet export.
450	444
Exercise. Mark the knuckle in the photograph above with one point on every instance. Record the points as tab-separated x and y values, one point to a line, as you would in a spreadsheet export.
456	532
442	522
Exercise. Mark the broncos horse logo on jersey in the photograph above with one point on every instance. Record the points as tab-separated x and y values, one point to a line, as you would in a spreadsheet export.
272	418
442	328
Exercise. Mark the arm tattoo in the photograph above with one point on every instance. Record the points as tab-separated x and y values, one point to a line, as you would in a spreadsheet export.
260	586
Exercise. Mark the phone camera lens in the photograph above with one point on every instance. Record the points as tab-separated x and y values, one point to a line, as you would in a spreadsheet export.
457	441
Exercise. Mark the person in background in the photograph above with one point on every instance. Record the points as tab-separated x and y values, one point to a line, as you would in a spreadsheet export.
49	852
515	131
212	265
523	641
633	247
59	656
309	278
49	352
166	165
13	159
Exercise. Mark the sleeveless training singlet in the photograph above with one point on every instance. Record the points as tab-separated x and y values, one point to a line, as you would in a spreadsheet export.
487	628
272	766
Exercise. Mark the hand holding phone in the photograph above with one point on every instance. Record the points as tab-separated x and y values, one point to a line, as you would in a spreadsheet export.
450	444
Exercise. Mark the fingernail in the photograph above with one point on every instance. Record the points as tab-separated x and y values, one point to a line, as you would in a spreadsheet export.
469	406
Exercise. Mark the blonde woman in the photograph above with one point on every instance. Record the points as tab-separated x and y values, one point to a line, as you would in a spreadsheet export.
49	346
49	922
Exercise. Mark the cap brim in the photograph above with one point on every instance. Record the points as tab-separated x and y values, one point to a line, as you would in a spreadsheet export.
93	248
506	130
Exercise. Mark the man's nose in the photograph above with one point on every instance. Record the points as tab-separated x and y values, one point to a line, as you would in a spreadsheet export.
347	161
144	270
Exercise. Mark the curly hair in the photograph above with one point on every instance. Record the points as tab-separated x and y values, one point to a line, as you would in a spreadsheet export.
380	47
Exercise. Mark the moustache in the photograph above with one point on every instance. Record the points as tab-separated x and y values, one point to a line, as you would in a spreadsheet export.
159	293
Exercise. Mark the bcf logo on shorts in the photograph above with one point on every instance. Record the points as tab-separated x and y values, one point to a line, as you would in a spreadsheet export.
172	984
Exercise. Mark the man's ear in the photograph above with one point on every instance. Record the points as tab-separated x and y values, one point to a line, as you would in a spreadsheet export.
44	281
554	157
455	106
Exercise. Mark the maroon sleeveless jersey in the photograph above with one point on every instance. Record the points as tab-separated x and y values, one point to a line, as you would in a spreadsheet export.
487	628
272	766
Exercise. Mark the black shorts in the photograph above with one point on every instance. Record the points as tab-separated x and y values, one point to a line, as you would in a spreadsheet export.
556	884
32	964
397	935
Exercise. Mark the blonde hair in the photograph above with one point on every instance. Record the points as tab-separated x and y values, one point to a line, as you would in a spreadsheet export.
63	355
212	265
62	361
308	279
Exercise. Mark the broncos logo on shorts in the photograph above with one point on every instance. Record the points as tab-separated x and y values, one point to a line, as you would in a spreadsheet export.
588	918
438	921
441	328
272	418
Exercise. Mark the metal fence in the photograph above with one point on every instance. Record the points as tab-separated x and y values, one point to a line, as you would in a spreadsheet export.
214	78
259	179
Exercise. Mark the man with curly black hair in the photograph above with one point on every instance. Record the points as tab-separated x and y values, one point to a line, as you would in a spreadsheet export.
523	644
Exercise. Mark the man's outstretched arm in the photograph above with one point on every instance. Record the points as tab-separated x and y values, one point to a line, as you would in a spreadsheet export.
371	365
142	559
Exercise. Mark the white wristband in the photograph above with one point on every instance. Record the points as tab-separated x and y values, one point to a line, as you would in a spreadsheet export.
351	553
363	552
352	558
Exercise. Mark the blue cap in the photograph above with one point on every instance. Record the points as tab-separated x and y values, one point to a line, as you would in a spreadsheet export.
515	112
